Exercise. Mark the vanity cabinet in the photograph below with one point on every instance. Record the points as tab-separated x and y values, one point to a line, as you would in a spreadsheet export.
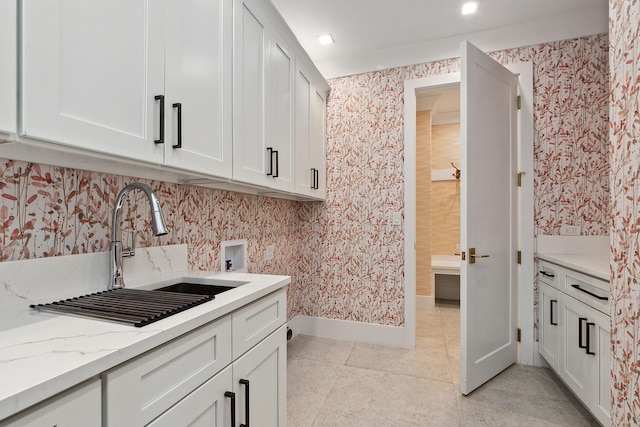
8	70
78	406
233	365
575	334
263	68
145	80
310	133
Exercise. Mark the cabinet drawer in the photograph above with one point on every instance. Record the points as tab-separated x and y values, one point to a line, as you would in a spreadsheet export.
587	289
548	273
78	406
137	392
253	323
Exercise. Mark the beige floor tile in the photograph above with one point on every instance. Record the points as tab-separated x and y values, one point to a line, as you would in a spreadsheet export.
365	397
428	360
321	349
308	385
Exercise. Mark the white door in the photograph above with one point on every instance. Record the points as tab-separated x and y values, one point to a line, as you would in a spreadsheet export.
198	85
8	82
488	212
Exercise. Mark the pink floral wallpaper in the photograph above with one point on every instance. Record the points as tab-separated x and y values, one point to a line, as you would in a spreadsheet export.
624	132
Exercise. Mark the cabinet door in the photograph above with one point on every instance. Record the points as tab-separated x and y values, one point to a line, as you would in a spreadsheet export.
90	74
78	406
576	367
260	382
250	158
304	174
207	406
198	85
601	406
9	55
549	319
317	159
279	114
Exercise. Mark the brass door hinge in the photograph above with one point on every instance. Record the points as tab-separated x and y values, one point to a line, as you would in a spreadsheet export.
519	334
519	179
519	257
518	102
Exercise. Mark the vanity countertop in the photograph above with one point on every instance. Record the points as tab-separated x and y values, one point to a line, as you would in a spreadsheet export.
42	354
596	265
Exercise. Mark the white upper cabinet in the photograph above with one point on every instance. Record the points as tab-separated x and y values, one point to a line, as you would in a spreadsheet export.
264	68
198	85
8	70
91	72
310	134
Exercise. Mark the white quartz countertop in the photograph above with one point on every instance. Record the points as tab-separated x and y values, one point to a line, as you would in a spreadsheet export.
42	354
596	265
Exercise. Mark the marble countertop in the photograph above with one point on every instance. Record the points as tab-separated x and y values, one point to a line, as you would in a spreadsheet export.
42	354
596	265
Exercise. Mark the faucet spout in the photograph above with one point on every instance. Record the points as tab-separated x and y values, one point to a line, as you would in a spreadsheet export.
116	279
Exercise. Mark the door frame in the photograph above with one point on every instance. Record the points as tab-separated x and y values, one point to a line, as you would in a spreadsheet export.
527	350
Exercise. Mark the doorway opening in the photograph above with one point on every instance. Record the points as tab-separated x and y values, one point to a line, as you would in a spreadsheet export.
527	350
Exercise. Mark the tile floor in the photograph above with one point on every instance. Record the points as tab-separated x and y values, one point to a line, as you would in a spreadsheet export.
343	383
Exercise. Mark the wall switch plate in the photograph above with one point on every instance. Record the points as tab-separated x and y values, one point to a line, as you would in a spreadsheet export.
396	218
570	230
268	253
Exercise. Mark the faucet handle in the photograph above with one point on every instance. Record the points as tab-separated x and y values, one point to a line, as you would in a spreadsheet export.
130	252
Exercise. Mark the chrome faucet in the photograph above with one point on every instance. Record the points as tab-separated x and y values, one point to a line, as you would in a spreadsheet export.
157	224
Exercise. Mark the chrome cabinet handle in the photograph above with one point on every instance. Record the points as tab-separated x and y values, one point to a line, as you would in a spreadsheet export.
232	396
161	99
473	256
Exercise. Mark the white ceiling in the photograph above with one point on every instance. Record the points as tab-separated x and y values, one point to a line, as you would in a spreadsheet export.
378	34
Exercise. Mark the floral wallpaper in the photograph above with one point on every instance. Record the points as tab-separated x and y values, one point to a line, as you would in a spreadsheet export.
624	132
359	273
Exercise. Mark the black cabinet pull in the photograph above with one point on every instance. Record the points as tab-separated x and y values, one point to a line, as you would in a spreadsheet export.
580	320
313	178
590	293
551	312
317	177
270	151
245	383
178	105
161	99
232	396
275	175
588	346
544	273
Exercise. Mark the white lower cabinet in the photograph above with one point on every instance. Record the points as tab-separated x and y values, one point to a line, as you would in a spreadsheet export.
197	380
549	325
78	406
575	341
260	382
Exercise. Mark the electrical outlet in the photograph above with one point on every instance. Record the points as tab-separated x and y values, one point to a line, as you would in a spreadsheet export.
396	218
570	230
268	253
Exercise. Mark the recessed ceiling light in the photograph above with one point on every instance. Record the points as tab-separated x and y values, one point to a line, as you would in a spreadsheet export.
326	39
469	8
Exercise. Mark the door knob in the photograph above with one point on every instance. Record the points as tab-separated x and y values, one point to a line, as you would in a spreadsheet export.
473	256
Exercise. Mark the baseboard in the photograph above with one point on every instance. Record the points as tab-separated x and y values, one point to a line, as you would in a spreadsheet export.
424	302
392	336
